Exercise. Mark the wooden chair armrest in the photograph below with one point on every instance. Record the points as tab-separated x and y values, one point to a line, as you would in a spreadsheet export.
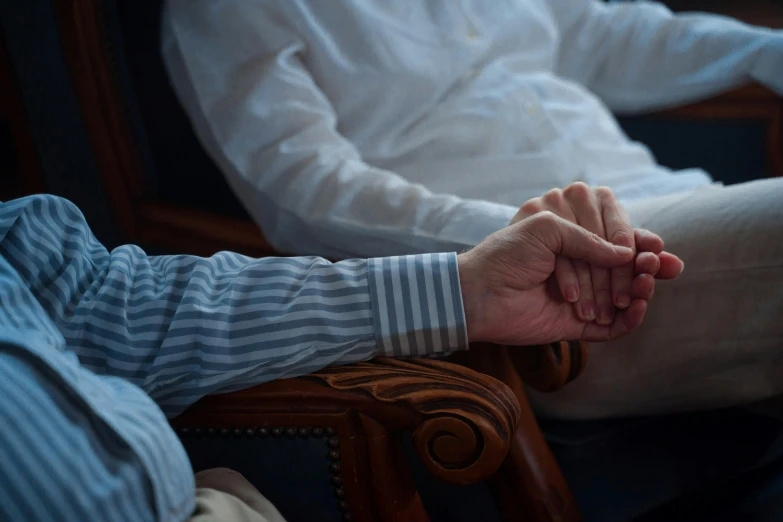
549	367
463	422
752	101
530	485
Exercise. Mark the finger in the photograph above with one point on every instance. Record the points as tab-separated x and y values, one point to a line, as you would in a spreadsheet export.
559	236
647	241
567	281
646	263
602	290
585	308
643	287
671	266
529	208
619	231
624	323
565	270
587	206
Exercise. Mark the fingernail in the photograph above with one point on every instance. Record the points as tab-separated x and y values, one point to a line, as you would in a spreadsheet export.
623	251
588	311
571	294
623	301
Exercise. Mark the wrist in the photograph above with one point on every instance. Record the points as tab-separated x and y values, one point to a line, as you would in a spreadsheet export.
471	291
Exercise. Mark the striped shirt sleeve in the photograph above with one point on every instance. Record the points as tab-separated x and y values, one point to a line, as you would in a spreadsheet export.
182	327
417	305
76	446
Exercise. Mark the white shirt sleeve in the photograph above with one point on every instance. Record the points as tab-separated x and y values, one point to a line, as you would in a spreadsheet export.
241	73
640	56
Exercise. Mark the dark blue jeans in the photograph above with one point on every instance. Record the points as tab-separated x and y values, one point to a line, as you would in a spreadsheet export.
719	465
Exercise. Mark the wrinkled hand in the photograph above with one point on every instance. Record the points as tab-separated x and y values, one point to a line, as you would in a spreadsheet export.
596	291
511	296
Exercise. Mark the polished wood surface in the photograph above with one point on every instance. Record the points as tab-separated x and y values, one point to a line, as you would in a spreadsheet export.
547	368
463	424
752	102
529	484
749	103
765	13
463	435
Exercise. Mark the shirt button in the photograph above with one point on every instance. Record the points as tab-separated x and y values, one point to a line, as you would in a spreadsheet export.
472	34
531	108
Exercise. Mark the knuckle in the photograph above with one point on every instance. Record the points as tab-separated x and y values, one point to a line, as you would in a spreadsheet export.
595	240
554	196
546	218
577	190
604	193
623	237
532	206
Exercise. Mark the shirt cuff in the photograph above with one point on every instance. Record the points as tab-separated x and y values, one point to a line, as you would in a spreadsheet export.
417	305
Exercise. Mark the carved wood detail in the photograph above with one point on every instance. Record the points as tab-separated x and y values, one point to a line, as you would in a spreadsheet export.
529	484
547	368
466	419
462	421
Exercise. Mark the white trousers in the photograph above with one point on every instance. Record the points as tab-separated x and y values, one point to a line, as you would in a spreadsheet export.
714	336
223	495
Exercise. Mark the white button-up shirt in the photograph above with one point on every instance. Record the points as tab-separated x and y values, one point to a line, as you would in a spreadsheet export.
372	127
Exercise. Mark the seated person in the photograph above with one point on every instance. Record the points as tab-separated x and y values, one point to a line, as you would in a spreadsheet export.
383	128
97	348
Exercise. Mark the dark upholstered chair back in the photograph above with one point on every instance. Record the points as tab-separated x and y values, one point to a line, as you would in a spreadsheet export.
182	171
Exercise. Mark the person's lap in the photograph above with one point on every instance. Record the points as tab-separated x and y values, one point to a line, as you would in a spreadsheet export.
223	495
711	338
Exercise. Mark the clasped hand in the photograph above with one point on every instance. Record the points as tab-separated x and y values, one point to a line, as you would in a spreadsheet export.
569	266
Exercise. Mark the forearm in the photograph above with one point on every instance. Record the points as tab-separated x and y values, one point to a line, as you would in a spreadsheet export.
353	210
182	327
237	322
640	56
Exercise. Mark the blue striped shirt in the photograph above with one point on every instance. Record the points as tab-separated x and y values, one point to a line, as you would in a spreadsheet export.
98	348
